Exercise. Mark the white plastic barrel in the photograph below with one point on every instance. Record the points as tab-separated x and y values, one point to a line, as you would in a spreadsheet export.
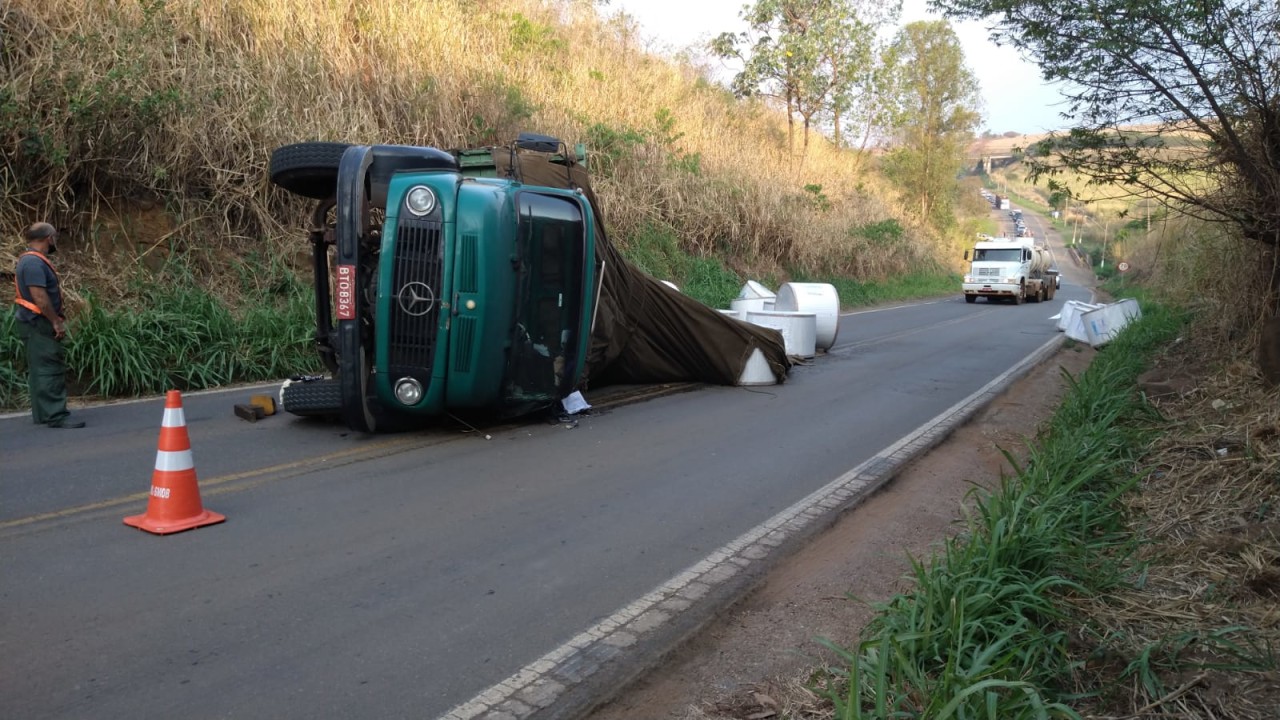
799	329
757	370
821	299
735	314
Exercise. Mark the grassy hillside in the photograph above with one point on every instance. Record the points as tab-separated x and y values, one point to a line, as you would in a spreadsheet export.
145	127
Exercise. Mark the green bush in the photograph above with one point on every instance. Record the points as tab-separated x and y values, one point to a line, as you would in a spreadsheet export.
178	335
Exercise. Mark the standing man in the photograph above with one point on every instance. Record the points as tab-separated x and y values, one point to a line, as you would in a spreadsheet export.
42	327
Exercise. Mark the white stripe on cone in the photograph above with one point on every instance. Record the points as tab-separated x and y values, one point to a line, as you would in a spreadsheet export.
173	417
174	461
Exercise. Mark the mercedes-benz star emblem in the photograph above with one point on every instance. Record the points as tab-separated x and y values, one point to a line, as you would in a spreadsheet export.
416	299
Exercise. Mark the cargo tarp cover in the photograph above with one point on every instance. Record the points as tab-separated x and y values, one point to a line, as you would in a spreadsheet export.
646	332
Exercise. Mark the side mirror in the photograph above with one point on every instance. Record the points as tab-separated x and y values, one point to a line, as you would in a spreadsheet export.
966	254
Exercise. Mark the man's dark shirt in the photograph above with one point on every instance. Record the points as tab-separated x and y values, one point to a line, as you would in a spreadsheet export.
32	271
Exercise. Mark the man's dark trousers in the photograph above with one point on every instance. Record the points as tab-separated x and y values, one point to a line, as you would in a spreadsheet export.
46	371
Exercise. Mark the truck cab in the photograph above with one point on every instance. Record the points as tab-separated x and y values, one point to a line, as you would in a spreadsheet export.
440	286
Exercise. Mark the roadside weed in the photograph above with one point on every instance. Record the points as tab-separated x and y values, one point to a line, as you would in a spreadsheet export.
986	633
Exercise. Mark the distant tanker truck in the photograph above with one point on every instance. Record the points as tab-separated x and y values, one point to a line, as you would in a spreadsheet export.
1010	269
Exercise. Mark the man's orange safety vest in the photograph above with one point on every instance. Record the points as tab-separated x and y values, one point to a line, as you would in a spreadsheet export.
17	293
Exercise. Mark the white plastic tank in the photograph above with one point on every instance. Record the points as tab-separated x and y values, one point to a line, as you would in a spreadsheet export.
746	305
799	329
821	299
757	370
1103	324
735	314
1071	309
754	289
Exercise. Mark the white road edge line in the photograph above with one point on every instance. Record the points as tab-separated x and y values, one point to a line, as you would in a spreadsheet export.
253	388
539	684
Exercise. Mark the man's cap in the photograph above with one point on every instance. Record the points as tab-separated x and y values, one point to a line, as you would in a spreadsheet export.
39	231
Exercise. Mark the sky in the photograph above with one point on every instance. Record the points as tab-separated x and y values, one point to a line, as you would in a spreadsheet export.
1014	95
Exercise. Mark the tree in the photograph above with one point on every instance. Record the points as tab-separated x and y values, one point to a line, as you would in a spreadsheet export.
933	105
812	56
1176	99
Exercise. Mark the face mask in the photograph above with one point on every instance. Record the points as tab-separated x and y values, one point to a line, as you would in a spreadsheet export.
53	249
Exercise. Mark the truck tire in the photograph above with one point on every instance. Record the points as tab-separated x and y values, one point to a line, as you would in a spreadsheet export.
309	169
315	398
1021	296
971	299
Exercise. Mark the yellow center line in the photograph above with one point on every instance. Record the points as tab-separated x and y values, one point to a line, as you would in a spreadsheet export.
251	478
390	447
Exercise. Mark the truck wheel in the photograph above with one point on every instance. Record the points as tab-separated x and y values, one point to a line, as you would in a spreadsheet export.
1021	295
971	299
309	169
309	399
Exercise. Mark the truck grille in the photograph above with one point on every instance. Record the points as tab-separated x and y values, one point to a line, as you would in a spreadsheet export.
417	282
988	273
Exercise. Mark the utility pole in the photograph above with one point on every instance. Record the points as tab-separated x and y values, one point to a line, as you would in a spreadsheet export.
1106	234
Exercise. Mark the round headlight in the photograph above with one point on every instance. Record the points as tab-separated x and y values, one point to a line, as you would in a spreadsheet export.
408	391
420	200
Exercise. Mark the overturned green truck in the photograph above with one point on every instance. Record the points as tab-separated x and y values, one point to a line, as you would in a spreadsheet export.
482	280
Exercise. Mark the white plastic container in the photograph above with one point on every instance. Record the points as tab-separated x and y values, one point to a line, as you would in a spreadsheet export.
1071	310
757	371
821	299
1102	325
799	329
746	305
735	314
754	289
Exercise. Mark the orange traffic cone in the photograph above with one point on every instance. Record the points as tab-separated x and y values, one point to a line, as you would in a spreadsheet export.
174	504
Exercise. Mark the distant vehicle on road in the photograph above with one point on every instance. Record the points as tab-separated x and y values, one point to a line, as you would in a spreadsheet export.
1010	269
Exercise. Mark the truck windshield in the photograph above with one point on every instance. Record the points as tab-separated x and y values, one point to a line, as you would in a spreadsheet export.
997	255
551	247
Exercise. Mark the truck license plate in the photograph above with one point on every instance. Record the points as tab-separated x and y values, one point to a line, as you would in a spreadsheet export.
345	292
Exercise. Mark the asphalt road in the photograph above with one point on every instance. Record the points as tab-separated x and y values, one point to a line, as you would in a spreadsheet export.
400	576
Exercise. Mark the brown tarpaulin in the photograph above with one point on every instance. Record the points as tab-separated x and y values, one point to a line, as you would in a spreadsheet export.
646	332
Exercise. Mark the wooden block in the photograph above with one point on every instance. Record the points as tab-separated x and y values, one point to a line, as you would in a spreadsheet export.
248	412
266	402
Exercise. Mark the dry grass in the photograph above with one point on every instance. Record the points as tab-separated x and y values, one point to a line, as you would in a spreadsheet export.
1217	275
118	107
1204	618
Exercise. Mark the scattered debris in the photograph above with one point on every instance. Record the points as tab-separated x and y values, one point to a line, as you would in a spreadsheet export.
574	403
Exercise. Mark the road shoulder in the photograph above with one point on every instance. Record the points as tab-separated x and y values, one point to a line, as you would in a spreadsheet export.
757	656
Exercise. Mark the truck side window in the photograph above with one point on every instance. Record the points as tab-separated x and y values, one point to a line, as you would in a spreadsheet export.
552	239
